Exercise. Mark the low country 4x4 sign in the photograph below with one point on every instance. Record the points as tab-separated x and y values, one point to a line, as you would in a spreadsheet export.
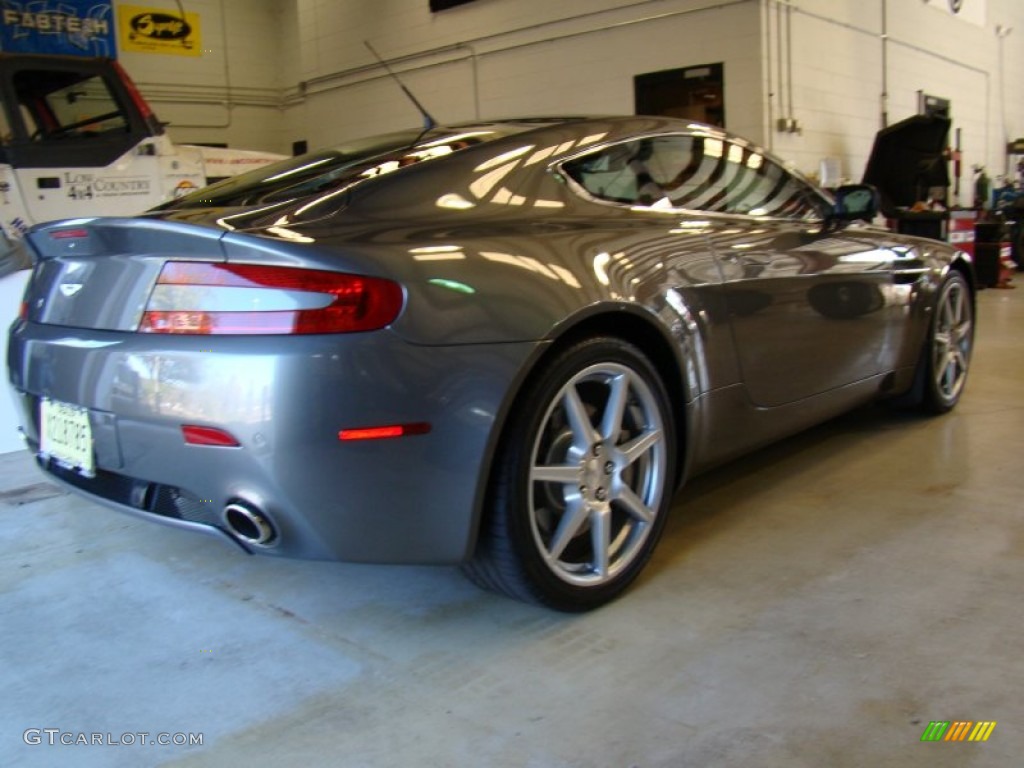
68	27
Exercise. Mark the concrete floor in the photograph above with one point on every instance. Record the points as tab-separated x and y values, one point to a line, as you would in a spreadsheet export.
814	605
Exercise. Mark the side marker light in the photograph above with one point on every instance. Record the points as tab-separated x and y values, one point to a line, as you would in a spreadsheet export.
196	435
384	432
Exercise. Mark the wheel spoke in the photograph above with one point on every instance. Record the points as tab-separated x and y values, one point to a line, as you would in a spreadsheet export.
573	519
949	310
563	473
639	445
948	375
957	358
579	419
635	506
952	342
611	424
600	538
956	300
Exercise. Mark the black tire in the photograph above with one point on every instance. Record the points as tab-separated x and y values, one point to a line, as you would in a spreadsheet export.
928	393
947	354
582	480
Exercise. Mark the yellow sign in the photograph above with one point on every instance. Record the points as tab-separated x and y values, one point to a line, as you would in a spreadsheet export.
158	30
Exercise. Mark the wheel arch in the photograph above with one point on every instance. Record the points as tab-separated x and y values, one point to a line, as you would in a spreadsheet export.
628	323
962	263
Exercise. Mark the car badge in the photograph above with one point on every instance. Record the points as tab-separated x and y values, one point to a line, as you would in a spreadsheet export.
70	289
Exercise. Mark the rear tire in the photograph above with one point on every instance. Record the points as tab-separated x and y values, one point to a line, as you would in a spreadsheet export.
582	480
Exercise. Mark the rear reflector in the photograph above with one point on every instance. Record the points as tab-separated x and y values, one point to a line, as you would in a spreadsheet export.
69	234
195	435
381	433
205	298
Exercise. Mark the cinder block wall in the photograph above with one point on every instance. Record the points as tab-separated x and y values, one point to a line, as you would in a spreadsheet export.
837	76
275	71
231	93
523	57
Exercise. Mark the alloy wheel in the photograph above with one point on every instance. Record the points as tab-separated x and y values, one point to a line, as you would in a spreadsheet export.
597	474
952	339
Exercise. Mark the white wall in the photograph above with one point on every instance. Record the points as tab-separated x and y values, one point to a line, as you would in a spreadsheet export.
274	71
532	57
579	56
837	77
232	92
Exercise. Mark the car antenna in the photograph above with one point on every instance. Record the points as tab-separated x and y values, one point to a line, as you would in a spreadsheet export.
428	121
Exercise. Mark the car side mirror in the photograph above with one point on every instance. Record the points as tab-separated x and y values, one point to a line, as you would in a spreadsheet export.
855	202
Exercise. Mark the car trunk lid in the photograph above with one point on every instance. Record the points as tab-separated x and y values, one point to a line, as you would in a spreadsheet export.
99	273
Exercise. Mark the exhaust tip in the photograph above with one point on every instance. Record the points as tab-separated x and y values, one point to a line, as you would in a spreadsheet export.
248	524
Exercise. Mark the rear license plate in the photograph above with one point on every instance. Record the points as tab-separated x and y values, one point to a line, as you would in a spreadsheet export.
65	435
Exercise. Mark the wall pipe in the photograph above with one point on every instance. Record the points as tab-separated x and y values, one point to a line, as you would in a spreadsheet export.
885	64
1002	32
474	68
782	80
767	17
789	62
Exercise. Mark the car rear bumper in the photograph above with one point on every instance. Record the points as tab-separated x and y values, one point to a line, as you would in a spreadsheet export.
409	499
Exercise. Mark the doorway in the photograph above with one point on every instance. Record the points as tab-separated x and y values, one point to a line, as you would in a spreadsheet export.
691	93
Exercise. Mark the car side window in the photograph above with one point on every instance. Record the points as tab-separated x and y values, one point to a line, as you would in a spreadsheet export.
616	173
699	173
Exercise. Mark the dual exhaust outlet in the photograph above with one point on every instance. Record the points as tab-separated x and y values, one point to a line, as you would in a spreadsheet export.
248	524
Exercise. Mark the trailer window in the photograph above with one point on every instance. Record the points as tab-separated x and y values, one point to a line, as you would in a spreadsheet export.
58	105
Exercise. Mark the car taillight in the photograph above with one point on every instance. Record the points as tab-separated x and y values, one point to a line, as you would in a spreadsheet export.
205	298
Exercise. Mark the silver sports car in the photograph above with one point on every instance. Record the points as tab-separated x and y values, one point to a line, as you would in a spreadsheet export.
503	345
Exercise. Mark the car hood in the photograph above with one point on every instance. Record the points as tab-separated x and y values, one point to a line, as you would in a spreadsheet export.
907	159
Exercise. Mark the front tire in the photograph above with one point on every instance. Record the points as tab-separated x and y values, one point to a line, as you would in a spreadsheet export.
950	343
582	480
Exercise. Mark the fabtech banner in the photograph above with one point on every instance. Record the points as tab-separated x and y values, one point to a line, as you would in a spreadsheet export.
158	30
68	27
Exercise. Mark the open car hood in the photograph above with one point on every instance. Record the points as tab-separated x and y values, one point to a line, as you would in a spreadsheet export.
907	160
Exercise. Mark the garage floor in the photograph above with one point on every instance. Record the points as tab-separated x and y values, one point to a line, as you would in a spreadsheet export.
817	604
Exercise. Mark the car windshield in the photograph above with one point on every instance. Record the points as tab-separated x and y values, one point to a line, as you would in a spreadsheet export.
328	172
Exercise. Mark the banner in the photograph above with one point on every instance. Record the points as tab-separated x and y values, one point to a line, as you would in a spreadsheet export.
965	10
158	30
67	27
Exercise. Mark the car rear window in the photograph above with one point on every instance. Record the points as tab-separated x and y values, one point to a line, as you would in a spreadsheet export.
329	172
